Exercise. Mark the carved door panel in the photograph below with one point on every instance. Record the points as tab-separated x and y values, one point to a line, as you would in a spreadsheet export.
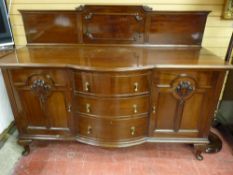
43	106
182	106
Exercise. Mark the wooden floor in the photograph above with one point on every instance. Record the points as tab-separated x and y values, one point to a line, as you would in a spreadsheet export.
150	159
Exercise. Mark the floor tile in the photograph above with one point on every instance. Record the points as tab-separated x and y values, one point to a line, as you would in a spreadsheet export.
72	158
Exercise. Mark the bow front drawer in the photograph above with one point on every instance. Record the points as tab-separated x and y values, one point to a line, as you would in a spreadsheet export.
109	107
114	129
112	83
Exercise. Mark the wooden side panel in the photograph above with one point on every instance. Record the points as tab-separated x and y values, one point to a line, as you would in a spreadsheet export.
174	28
182	103
51	27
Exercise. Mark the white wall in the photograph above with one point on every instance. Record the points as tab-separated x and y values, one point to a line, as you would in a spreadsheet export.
6	116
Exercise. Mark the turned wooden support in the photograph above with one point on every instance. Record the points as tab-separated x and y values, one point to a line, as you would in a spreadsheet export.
198	150
26	145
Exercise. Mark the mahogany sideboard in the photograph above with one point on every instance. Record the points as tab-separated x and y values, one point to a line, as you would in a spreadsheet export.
114	76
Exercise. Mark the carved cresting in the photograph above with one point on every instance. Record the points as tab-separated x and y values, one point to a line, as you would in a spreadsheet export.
41	85
183	88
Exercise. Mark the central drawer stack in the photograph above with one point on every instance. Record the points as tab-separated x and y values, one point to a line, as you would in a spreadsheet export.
111	109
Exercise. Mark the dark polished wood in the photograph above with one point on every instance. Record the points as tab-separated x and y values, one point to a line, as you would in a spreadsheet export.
114	76
113	130
187	95
115	24
174	28
51	27
39	93
110	107
122	58
114	84
110	24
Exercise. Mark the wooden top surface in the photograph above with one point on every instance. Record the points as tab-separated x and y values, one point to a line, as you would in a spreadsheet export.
113	58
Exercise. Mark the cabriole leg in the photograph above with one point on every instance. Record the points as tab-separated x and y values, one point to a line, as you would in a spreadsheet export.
198	150
26	145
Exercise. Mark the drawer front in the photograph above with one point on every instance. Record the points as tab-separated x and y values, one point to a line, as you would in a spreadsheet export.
203	78
110	84
114	129
26	75
109	107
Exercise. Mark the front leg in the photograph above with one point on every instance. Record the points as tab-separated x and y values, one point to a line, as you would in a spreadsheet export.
198	150
26	145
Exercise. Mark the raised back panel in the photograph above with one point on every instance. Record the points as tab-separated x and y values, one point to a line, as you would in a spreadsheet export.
174	28
50	26
115	25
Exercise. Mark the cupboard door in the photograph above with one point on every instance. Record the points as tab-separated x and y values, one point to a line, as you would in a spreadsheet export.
182	106
43	106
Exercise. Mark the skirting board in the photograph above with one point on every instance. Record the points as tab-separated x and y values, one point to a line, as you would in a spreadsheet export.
5	134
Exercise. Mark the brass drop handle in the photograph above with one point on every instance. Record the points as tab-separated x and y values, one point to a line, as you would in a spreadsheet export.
135	108
89	129
153	109
87	87
135	87
132	130
88	108
69	108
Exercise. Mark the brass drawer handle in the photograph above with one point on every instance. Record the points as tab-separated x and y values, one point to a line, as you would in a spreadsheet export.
153	109
88	108
135	108
87	87
136	87
69	108
89	129
132	130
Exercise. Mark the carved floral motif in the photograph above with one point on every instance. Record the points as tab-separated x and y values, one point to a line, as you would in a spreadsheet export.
184	89
41	85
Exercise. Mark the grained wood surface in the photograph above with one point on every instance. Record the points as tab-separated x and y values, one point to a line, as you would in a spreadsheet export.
115	24
114	92
216	36
107	58
182	112
55	112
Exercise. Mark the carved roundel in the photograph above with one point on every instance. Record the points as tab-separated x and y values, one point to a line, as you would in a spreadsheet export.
183	87
41	85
